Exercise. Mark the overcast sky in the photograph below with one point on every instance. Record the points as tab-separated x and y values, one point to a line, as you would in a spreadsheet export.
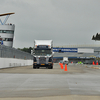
64	21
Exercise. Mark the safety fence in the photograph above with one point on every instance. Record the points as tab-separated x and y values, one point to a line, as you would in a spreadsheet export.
8	52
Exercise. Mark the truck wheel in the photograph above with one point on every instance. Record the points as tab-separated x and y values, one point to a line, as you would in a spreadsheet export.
50	67
34	67
37	67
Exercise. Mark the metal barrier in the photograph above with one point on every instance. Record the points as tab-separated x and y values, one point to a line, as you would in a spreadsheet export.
8	52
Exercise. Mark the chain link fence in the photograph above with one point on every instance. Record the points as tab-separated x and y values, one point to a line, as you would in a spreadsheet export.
8	52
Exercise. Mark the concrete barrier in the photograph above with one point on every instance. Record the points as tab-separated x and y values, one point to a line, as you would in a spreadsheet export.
13	62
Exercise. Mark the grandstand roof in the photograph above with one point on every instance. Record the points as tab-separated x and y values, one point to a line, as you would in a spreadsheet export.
6	14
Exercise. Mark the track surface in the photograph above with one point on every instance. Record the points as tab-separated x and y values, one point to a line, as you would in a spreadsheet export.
25	83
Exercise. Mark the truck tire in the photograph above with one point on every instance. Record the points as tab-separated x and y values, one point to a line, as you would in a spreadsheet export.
37	67
34	67
50	67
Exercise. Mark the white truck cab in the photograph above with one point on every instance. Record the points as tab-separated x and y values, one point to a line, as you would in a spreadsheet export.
43	54
65	60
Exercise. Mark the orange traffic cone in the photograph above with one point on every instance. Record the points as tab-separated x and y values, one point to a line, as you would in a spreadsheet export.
61	66
65	67
93	63
97	63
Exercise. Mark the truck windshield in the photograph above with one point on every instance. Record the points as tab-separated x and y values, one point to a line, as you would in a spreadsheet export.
43	52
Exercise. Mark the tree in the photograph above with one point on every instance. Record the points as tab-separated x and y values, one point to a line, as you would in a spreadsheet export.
26	49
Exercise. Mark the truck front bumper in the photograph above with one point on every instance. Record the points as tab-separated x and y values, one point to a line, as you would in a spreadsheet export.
43	65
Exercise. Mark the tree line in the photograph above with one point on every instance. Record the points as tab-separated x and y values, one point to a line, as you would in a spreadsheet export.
26	49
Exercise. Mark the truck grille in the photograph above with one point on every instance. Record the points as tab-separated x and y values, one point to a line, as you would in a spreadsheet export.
42	60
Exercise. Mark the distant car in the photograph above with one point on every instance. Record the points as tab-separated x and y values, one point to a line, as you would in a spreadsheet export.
65	62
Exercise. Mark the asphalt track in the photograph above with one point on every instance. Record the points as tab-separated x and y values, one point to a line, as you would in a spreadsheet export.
26	83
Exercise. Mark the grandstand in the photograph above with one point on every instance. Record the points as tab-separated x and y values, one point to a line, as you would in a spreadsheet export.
75	57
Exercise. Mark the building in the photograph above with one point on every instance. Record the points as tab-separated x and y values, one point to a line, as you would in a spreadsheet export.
6	31
75	57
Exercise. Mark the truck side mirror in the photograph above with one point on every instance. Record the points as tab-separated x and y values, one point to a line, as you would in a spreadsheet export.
32	52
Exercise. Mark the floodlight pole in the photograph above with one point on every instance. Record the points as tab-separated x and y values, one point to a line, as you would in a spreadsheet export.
6	19
1	22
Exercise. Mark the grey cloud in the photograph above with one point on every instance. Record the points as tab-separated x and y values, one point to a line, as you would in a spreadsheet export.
63	21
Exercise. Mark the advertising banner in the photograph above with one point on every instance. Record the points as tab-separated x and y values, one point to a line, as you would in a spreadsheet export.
65	49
